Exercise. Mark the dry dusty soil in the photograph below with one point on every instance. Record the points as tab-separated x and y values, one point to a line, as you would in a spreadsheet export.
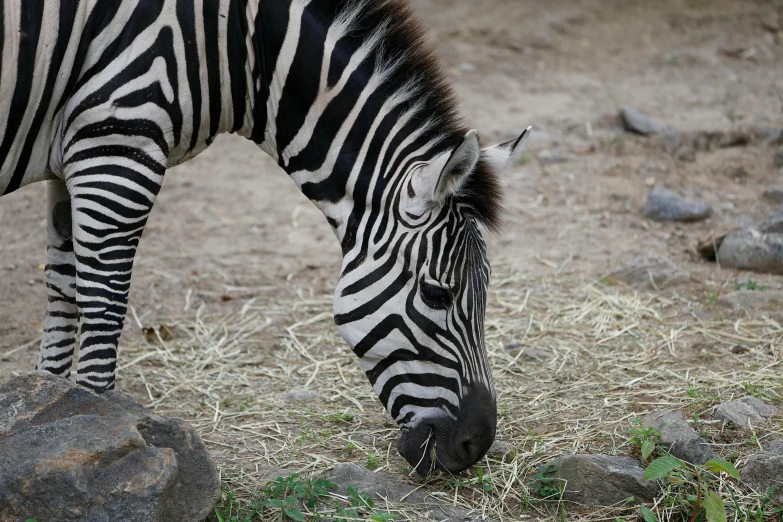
238	265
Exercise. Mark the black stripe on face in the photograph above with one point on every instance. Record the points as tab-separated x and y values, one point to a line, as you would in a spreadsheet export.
426	380
186	17
373	305
31	22
237	58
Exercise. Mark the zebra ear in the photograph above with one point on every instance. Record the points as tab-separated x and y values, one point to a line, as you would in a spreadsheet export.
501	156
444	176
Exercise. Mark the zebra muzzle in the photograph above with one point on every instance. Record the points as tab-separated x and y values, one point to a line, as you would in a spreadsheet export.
450	444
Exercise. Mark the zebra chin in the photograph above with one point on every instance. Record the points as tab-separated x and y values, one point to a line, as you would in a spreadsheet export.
450	444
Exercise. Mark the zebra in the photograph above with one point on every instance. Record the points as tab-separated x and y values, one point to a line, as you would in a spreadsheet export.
100	97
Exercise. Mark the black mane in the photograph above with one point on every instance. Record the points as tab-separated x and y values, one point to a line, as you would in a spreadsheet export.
406	39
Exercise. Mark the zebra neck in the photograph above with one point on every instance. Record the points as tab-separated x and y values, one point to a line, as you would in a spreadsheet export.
320	98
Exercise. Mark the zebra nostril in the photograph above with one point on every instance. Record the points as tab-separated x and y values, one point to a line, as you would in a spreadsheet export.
466	449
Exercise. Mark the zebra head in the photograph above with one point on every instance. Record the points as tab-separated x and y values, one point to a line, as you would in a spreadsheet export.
412	297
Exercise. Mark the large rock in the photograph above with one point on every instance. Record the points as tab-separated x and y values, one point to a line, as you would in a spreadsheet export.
69	454
765	470
740	414
774	223
752	250
761	407
381	485
602	480
769	301
678	436
774	194
665	205
649	271
638	122
383	488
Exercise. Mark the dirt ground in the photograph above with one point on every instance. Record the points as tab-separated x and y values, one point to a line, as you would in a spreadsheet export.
229	229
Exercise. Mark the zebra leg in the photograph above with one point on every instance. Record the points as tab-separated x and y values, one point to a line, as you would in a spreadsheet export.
111	203
62	317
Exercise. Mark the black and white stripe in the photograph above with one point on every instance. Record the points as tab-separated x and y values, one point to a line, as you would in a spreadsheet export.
101	97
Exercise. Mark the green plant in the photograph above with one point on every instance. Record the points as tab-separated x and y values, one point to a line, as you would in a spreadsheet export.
732	115
545	485
647	438
340	417
765	509
359	503
684	478
647	514
228	508
750	284
372	461
755	390
284	496
485	483
349	448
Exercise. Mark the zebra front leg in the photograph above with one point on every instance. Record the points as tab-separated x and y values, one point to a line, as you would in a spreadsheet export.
111	204
62	316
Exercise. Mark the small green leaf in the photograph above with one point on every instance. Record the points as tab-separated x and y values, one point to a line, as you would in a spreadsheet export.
714	508
716	465
661	467
273	503
382	517
648	515
647	448
295	514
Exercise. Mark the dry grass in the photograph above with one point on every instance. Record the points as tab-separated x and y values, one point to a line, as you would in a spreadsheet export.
575	362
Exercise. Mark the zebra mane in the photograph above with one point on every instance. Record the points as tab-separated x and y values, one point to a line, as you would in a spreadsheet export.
406	50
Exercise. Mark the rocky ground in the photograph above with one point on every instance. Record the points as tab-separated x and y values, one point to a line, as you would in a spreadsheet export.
638	270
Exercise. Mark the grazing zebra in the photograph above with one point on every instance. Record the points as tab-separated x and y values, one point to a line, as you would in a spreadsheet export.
100	97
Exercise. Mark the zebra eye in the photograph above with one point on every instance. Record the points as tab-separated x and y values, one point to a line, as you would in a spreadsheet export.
435	296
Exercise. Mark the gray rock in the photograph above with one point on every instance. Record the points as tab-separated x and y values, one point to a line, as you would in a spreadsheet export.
761	407
774	223
753	300
602	480
739	414
649	271
777	159
742	221
69	454
774	137
638	122
678	436
553	156
752	250
381	485
516	349
500	448
765	470
301	396
665	205
385	487
774	194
